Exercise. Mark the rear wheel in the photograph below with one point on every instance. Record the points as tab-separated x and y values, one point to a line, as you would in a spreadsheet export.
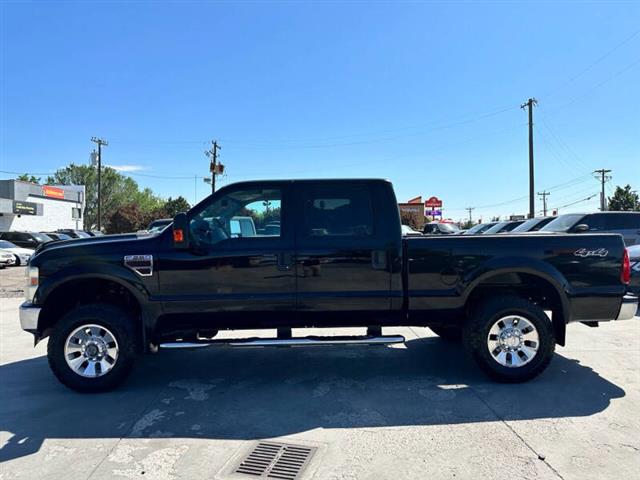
448	333
92	348
17	263
510	338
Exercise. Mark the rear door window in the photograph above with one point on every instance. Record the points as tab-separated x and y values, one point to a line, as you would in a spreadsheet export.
337	211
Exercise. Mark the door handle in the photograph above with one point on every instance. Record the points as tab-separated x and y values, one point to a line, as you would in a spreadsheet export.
284	261
379	259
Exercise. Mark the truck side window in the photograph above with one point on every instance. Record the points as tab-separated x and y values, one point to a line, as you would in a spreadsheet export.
238	214
338	211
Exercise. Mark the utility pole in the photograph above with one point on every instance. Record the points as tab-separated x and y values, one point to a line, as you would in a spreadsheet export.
214	167
100	142
470	209
544	196
603	178
530	104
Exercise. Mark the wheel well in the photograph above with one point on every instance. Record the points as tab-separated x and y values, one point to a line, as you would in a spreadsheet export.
526	285
82	292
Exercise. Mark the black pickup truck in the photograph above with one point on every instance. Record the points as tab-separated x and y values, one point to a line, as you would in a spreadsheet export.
315	253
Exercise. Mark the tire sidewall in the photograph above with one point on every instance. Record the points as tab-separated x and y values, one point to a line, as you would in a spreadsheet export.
476	339
113	319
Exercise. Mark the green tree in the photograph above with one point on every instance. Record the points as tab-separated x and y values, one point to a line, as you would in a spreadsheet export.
117	190
25	177
173	206
624	199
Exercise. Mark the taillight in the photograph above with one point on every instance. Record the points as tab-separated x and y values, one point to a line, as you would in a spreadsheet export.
625	273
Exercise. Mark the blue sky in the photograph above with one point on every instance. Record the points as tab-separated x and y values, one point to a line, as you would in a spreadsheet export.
426	94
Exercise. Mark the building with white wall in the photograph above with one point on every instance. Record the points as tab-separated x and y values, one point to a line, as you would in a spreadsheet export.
26	206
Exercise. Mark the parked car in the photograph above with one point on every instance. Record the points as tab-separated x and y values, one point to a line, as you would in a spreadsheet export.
479	228
408	231
242	227
340	260
21	255
93	233
436	228
6	259
159	225
30	240
503	227
626	224
74	233
57	235
532	225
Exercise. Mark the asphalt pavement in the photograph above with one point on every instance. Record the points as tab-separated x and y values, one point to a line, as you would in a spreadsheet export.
416	411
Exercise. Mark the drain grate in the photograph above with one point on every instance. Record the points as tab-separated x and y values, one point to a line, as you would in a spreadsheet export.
281	461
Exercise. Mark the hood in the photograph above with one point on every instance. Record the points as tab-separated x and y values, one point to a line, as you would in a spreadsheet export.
106	244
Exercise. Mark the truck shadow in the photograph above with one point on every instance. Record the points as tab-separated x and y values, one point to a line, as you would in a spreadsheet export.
263	393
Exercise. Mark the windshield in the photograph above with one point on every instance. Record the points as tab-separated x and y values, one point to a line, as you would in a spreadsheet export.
41	237
447	227
5	244
496	228
533	224
563	223
477	228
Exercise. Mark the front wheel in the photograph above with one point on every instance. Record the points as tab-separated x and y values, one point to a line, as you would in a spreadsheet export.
17	262
92	348
510	338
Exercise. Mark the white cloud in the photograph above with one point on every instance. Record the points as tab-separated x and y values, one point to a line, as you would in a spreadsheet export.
127	168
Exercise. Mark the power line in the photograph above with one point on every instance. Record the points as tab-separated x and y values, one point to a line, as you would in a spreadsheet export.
593	63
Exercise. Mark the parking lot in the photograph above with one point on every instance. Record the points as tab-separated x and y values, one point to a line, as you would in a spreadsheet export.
421	410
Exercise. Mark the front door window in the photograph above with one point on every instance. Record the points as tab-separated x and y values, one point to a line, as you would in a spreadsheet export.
239	214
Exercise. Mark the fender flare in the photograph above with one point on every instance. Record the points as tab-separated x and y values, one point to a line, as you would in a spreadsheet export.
121	275
529	266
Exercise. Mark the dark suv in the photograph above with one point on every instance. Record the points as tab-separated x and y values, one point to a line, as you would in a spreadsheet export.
626	224
25	239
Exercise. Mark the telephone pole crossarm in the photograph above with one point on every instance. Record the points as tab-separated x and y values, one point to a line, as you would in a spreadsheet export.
603	178
544	196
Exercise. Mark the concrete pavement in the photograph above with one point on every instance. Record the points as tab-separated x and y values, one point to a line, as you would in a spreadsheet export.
421	410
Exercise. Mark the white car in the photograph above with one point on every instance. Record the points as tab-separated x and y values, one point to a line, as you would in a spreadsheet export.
6	259
21	255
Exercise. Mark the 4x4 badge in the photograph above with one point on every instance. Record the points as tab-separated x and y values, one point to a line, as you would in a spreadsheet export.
583	252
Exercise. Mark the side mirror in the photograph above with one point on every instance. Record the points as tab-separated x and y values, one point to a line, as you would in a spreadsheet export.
583	227
181	231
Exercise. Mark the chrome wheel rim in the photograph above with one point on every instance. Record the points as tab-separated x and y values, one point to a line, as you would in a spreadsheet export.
513	341
91	351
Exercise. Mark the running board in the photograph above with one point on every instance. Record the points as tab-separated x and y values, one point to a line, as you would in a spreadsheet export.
290	342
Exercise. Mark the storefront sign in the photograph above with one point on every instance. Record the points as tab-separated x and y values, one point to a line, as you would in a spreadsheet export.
25	208
53	192
433	202
433	213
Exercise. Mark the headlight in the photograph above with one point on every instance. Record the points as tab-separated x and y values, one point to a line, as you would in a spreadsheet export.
32	283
